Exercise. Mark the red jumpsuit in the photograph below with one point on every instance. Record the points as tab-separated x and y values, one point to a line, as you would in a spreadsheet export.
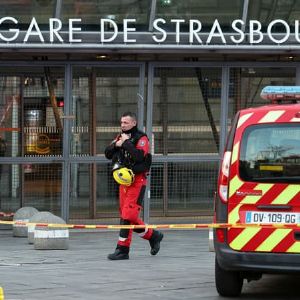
131	202
134	154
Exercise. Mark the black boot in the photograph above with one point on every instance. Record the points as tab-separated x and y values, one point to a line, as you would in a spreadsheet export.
120	253
155	242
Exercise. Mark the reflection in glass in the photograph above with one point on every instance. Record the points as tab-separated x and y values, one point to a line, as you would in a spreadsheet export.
247	83
186	115
268	10
271	153
31	105
37	185
101	95
25	10
190	186
92	11
204	11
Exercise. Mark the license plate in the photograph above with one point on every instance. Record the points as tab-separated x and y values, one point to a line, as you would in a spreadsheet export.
266	217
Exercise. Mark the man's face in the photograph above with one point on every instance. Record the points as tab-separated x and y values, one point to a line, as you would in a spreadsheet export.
127	123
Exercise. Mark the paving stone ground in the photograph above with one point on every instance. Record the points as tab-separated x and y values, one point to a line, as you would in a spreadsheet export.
184	269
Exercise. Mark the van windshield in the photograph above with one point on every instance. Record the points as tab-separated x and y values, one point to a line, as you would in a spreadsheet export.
270	153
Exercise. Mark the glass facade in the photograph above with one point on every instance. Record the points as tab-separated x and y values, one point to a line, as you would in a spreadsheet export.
267	10
93	10
186	110
187	118
200	10
24	10
31	105
252	80
146	10
60	103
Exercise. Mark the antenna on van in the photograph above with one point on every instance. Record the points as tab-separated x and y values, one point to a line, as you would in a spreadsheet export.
280	94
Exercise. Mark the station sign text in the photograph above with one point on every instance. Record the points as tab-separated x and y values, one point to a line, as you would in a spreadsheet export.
252	33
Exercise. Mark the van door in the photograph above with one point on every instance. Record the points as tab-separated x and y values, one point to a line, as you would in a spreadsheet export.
264	186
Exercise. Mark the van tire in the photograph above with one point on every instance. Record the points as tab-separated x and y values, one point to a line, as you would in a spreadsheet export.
228	283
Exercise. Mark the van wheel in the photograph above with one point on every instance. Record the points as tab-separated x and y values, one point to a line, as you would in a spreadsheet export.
228	283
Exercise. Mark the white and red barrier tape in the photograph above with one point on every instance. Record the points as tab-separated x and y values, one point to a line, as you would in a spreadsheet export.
159	226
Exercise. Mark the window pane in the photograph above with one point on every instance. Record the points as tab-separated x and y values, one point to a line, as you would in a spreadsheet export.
31	105
190	186
24	10
107	193
91	11
271	153
268	10
184	101
112	91
41	185
247	83
204	11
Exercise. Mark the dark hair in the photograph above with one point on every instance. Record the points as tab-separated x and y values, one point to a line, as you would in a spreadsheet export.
130	114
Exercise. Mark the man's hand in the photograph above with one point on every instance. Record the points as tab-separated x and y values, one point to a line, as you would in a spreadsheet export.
122	139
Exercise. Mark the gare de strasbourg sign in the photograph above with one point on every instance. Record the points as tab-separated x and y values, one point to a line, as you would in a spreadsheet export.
109	32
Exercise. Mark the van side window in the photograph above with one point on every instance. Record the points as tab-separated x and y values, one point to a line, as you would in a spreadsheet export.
270	153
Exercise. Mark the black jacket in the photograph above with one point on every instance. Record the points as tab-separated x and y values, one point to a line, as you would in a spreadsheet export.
128	155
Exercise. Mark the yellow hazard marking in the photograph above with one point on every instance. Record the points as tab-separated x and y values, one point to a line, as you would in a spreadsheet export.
234	215
1	294
273	239
264	187
244	237
271	168
235	152
287	194
295	248
243	119
272	116
234	184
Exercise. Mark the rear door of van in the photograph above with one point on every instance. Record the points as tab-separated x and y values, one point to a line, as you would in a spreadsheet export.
264	180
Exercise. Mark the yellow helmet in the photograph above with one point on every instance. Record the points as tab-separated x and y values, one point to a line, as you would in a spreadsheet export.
123	176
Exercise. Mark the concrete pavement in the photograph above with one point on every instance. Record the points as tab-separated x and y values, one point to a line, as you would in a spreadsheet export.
184	269
83	272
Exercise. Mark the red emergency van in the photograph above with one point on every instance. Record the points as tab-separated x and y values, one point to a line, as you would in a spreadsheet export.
259	193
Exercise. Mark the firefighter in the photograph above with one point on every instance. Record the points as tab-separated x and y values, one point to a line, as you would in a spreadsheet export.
131	162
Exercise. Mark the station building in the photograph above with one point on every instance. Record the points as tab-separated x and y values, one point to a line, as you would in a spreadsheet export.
70	68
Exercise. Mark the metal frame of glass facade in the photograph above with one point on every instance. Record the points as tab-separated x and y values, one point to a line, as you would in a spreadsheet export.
67	160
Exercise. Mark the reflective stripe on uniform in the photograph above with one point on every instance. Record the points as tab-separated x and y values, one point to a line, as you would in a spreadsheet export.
142	234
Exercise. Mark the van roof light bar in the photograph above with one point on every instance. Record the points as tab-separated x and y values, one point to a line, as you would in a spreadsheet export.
278	94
